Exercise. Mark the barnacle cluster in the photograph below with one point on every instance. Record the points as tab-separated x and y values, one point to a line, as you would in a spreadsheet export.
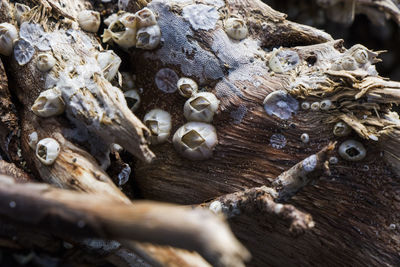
129	30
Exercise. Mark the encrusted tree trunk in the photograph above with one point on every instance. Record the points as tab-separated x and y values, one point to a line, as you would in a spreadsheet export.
292	193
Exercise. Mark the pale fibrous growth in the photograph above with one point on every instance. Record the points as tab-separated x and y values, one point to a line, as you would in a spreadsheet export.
305	105
236	28
145	17
326	104
45	62
201	107
280	104
187	87
89	20
148	37
49	103
352	150
109	62
315	106
305	138
341	129
158	121
23	52
195	140
8	34
283	60
20	10
47	150
33	140
132	98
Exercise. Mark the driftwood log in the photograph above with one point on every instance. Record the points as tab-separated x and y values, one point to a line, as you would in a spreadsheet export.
289	202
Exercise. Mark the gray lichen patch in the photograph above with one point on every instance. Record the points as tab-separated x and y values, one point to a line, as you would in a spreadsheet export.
181	50
201	17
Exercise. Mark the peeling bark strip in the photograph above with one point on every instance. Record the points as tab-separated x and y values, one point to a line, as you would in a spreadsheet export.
89	215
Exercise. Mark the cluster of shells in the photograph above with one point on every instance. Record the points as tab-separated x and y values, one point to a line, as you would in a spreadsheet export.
282	104
197	138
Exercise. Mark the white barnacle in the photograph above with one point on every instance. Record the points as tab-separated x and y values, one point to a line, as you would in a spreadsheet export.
283	60
159	123
352	150
236	28
47	150
145	17
344	63
305	138
127	81
129	20
132	99
195	140
326	104
33	139
23	52
281	104
8	34
20	10
120	34
148	37
315	106
333	160
187	87
341	129
45	62
113	17
49	103
309	163
216	207
109	62
166	80
361	56
201	107
89	20
305	105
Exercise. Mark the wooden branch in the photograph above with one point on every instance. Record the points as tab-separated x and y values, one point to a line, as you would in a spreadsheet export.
88	215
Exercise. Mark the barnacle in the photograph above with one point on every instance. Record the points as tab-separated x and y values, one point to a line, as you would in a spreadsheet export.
148	37
278	141
315	106
132	99
201	107
195	140
352	150
145	17
325	104
32	140
8	34
49	103
236	28
120	34
159	123
129	20
344	63
305	105
20	10
280	104
89	20
47	150
305	138
109	62
23	52
166	80
283	60
187	87
361	56
45	62
127	81
341	129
